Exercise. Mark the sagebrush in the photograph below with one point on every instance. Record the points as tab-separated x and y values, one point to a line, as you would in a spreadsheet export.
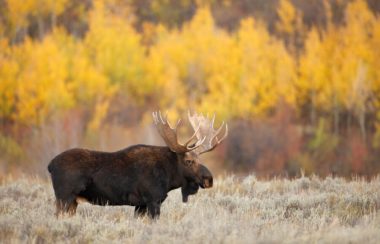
235	210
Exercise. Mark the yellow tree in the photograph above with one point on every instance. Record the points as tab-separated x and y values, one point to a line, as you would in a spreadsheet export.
290	25
114	48
20	12
287	17
17	14
185	58
162	69
336	66
211	55
314	77
375	46
234	75
8	72
9	148
357	64
91	88
42	86
48	9
267	69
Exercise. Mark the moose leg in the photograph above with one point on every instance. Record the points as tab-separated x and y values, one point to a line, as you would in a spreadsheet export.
189	188
140	211
66	189
65	200
154	210
66	206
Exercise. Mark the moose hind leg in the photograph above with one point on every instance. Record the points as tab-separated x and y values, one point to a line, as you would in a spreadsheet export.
66	202
68	206
140	211
66	189
154	210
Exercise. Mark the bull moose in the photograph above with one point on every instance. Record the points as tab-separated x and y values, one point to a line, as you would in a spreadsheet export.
139	175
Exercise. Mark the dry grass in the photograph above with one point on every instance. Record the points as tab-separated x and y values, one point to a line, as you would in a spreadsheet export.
234	211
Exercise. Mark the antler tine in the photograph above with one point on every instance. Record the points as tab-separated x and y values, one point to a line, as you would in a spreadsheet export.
225	134
162	120
178	123
155	119
169	134
198	144
212	122
193	136
207	130
166	121
219	129
216	134
189	114
217	140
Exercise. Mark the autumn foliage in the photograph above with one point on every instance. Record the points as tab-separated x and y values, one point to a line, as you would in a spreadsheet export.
298	94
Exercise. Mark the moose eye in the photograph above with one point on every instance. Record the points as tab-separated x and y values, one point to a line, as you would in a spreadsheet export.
188	162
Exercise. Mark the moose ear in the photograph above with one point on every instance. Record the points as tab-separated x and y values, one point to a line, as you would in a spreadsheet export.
193	145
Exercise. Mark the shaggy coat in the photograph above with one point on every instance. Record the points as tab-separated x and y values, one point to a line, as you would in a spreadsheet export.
139	176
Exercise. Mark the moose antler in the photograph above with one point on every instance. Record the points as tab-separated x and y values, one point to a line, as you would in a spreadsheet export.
206	130
169	134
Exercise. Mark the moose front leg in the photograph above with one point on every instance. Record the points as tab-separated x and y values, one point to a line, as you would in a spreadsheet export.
140	211
154	209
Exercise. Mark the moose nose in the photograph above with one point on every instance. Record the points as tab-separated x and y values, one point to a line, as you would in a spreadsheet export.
207	182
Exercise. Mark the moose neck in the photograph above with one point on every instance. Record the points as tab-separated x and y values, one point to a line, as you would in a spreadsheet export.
174	170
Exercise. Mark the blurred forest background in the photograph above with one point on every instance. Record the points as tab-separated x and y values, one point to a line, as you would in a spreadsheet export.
298	81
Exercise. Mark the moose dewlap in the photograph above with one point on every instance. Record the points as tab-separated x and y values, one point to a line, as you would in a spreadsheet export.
139	175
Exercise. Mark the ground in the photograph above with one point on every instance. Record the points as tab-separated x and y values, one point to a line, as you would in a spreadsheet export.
235	210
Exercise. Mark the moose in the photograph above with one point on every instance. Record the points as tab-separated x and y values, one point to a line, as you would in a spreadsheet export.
139	175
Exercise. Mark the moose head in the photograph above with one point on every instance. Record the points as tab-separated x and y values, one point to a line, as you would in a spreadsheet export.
207	139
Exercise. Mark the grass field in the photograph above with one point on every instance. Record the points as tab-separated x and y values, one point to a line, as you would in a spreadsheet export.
247	210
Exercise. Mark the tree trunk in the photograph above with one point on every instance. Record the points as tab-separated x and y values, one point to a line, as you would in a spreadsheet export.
313	112
53	20
336	116
349	122
362	121
41	28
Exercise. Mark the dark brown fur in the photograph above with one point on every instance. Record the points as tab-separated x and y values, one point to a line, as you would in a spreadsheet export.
139	176
191	187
